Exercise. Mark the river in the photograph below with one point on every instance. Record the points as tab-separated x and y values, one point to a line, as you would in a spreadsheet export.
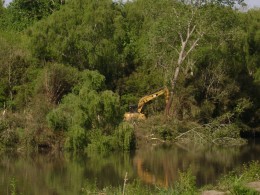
64	173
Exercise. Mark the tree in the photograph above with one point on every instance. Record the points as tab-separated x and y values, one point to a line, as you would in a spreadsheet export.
86	35
253	44
1	6
88	108
178	33
174	36
23	13
14	62
55	81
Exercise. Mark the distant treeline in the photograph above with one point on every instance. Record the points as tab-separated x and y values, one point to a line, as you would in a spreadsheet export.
70	69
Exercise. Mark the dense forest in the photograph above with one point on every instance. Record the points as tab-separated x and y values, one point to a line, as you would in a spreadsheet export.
70	69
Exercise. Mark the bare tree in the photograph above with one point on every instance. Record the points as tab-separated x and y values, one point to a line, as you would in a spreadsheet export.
177	34
189	35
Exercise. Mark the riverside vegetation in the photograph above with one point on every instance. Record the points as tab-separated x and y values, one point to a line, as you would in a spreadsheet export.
70	69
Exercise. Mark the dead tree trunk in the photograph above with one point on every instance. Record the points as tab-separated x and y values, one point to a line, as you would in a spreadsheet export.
187	46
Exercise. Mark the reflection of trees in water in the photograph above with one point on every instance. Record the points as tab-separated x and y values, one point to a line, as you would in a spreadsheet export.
109	169
252	150
67	173
156	166
208	163
34	174
62	174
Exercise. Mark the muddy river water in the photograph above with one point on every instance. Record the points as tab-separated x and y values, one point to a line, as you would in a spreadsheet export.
64	173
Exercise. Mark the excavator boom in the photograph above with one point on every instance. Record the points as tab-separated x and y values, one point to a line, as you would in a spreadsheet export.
139	115
152	96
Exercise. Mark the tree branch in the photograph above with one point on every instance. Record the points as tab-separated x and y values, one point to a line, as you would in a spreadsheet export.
191	48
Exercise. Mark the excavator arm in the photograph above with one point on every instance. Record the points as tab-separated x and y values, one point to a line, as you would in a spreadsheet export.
152	96
139	115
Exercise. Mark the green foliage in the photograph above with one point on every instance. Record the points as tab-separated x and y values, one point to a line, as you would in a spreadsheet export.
237	190
125	136
186	184
100	142
14	133
242	105
132	49
206	110
121	139
136	187
14	63
9	138
165	132
144	81
57	120
253	42
76	138
55	81
251	171
237	179
1	7
97	43
13	186
230	3
87	108
23	13
3	125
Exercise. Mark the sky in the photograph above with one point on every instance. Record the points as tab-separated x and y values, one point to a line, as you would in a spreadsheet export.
250	3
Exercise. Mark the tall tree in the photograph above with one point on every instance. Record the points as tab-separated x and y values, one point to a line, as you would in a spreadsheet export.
13	60
22	13
87	35
253	43
1	6
174	36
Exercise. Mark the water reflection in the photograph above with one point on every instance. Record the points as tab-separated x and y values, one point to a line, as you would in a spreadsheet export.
67	173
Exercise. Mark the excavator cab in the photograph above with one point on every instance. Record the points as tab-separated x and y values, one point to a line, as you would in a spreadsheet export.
133	108
133	114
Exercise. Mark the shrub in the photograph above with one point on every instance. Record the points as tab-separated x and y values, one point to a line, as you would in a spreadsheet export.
100	142
88	115
186	184
236	180
238	190
125	136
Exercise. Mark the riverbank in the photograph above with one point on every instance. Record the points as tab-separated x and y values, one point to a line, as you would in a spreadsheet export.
159	130
250	188
236	182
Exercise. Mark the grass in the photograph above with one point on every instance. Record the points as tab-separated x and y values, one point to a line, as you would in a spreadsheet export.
236	181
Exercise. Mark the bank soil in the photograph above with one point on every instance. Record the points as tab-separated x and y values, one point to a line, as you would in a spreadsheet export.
252	185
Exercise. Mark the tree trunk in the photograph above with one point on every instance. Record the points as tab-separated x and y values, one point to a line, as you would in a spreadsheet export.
184	51
10	82
173	83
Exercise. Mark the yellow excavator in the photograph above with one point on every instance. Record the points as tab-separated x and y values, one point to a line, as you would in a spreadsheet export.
137	115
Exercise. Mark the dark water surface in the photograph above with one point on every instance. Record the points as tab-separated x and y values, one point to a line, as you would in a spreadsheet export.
67	174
